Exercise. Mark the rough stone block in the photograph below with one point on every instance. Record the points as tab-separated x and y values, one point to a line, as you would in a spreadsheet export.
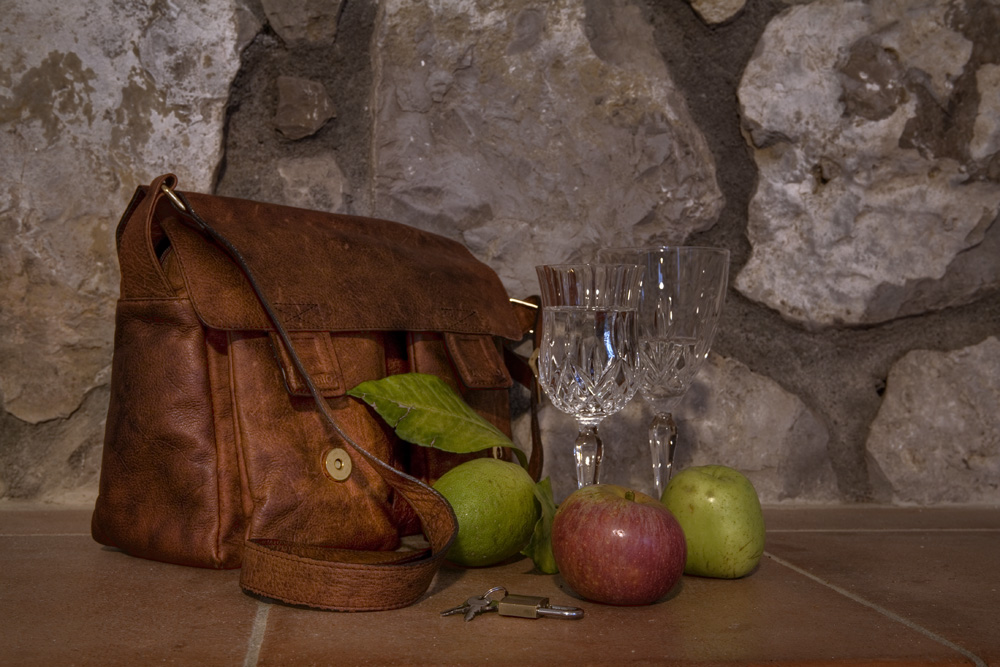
872	202
314	183
936	438
534	134
95	99
303	21
303	107
717	11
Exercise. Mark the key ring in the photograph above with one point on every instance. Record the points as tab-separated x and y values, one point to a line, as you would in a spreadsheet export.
495	589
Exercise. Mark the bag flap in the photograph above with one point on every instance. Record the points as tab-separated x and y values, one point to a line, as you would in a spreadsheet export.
328	272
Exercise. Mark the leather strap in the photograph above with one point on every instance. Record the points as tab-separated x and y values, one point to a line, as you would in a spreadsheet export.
336	579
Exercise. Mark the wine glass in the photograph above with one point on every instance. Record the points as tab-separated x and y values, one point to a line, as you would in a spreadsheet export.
683	291
588	359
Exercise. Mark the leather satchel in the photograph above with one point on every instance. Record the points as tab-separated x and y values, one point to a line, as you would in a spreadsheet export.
230	438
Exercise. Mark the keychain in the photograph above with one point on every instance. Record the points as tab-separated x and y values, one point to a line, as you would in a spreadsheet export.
506	604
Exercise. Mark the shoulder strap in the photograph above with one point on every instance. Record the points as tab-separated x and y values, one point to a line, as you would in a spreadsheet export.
336	579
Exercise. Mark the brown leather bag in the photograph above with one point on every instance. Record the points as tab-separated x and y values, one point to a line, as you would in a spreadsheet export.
230	440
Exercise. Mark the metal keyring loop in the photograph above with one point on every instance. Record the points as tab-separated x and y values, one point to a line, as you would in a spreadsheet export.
173	197
495	589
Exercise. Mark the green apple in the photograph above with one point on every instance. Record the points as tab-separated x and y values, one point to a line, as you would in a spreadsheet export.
719	511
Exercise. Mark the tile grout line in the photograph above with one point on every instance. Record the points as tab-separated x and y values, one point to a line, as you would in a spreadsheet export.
257	634
882	610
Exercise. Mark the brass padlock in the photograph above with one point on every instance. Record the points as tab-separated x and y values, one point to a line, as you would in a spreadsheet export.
532	606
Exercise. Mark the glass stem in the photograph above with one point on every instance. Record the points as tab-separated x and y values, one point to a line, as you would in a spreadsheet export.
588	452
662	441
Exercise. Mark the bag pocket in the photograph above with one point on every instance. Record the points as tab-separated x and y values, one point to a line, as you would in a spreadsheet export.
303	484
169	486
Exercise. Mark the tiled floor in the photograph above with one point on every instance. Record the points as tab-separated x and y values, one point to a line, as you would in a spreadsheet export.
837	585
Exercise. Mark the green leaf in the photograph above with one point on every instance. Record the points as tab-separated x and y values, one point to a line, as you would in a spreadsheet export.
424	410
539	547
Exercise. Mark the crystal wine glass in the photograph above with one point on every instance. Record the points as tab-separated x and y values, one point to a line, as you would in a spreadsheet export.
589	358
683	291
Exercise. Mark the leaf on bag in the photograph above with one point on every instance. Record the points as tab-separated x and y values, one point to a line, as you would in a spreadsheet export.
539	547
424	410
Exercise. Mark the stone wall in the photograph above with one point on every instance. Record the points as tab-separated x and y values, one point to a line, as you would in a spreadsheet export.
847	153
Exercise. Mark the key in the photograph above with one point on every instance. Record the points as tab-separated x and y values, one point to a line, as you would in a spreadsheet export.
479	606
532	606
476	605
471	603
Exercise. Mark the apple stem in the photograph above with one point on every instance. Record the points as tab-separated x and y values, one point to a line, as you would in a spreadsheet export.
630	495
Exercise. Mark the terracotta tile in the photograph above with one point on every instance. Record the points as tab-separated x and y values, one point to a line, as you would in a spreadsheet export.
772	615
36	519
946	581
67	600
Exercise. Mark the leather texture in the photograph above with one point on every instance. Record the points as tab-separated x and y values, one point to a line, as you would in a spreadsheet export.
219	434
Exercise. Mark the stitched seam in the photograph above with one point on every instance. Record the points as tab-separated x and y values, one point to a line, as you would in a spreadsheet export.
244	471
218	468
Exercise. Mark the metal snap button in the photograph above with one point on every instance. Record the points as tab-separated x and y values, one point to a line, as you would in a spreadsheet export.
338	464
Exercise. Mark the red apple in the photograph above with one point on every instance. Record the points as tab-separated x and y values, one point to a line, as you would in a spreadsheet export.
617	546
